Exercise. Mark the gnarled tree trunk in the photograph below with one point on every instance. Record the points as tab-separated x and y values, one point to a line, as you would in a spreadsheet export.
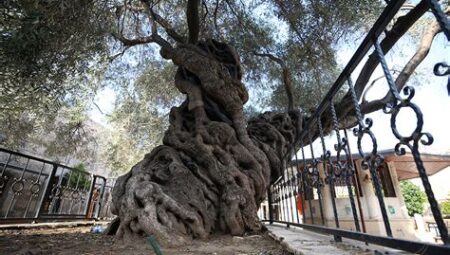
213	169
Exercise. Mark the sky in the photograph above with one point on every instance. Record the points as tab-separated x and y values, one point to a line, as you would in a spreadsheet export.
431	96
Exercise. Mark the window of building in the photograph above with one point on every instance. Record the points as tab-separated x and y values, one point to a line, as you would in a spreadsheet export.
386	181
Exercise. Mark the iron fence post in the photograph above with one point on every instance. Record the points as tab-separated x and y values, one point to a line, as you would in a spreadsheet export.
269	199
100	197
89	200
47	191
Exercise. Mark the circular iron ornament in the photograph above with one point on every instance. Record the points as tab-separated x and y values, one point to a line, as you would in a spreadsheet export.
313	173
66	192
441	69
350	170
326	156
339	169
417	134
340	145
35	188
75	194
17	186
360	133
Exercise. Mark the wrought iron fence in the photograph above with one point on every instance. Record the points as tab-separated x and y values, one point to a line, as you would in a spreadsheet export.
309	194
35	189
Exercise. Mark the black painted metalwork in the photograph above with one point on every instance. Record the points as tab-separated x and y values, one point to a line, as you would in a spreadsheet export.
329	172
411	141
343	169
440	16
306	187
400	244
371	160
35	189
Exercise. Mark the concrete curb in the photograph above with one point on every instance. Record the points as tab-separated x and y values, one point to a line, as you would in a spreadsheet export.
284	244
70	224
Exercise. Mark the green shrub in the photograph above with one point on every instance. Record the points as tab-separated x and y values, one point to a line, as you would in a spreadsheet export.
414	197
445	207
78	179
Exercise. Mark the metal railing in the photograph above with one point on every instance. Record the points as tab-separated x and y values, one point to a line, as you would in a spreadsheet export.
305	196
35	189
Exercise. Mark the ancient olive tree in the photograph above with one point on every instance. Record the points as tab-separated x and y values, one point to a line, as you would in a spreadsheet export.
214	166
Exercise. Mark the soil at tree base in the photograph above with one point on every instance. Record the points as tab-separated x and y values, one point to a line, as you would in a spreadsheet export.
79	240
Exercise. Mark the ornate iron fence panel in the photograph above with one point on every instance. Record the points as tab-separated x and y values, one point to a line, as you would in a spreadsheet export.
34	189
330	194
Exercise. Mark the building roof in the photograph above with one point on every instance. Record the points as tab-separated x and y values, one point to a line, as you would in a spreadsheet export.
405	165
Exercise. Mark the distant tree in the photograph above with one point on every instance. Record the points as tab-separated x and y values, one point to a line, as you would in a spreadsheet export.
445	207
79	178
47	84
414	197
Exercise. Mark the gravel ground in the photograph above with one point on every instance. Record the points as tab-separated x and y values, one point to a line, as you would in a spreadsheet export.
78	240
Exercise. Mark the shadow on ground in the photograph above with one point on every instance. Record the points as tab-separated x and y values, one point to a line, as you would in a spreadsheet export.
79	240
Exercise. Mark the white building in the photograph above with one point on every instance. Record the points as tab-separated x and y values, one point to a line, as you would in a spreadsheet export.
395	169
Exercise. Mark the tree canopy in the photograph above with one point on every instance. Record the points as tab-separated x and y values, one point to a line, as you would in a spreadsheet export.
414	197
56	55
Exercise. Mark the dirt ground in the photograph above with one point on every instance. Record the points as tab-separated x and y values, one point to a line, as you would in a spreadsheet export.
78	240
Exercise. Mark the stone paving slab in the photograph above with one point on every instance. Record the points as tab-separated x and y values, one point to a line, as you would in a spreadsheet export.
303	242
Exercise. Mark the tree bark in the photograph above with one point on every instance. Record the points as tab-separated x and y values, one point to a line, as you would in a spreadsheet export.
213	169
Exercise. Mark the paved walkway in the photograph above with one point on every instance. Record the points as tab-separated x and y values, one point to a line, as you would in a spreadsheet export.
299	241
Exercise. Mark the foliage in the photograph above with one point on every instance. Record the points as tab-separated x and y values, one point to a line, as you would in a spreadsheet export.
79	178
45	44
315	31
140	116
55	133
445	207
414	197
61	53
52	58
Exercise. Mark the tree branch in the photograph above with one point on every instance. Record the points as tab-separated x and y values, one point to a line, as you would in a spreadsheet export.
167	27
368	88
193	20
155	38
344	108
286	75
424	47
216	10
131	42
281	5
392	36
112	58
271	57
